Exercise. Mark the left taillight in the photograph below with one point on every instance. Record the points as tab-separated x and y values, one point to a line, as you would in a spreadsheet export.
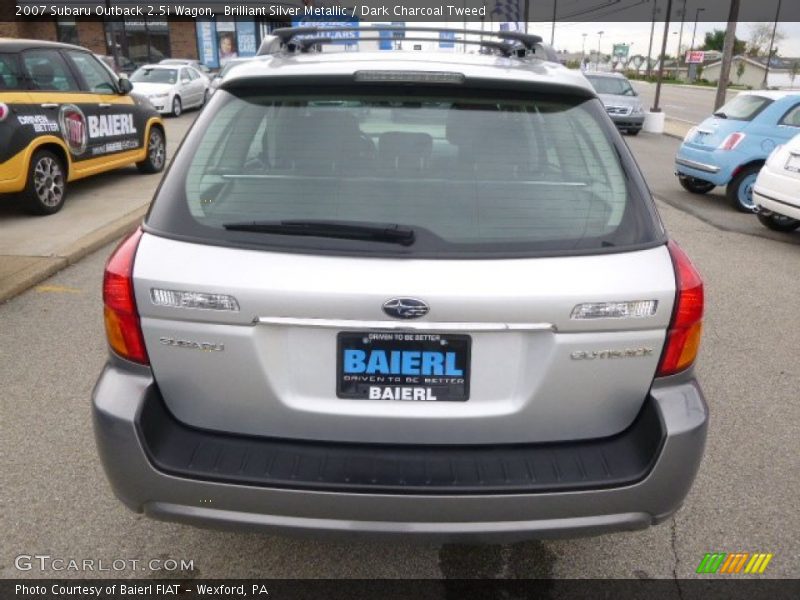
123	327
686	327
4	111
733	140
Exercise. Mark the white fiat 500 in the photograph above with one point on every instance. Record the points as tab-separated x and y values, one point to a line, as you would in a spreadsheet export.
777	189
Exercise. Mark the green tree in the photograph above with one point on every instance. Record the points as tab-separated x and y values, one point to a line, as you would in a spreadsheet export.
794	70
740	68
715	39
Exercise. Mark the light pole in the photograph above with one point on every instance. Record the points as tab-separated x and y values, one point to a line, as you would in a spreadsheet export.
696	18
649	69
599	39
553	30
583	50
693	66
680	36
656	108
771	43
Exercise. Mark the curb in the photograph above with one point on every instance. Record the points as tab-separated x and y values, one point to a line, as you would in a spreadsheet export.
44	267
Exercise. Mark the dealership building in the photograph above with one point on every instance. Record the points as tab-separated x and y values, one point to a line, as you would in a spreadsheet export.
140	41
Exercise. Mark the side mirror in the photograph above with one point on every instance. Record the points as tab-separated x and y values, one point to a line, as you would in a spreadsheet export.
125	86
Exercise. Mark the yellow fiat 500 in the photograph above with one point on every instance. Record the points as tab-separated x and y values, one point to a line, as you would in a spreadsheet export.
64	116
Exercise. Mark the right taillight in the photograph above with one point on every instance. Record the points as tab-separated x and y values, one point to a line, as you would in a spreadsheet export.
733	140
686	326
123	329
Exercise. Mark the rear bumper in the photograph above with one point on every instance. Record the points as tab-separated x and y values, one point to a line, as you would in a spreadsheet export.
714	166
121	397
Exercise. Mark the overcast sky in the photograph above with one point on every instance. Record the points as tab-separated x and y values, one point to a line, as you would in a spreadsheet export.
568	36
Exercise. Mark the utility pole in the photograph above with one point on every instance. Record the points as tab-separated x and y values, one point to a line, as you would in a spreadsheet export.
553	30
649	70
727	55
771	43
661	60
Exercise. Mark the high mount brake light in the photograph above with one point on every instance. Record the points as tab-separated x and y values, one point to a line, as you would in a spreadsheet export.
686	325
123	328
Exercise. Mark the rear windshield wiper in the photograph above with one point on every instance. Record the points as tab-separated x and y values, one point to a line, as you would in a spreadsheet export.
720	114
393	234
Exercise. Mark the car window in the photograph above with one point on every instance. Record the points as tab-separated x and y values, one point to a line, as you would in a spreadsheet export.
185	75
10	76
792	118
468	175
152	75
616	86
96	76
48	71
745	107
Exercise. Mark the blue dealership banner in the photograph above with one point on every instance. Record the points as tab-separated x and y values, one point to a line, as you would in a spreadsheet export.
246	38
207	43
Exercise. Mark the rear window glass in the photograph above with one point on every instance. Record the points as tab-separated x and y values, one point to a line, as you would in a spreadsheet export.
744	107
466	175
10	77
145	75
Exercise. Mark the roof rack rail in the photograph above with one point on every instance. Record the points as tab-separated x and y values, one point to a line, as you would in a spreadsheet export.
305	38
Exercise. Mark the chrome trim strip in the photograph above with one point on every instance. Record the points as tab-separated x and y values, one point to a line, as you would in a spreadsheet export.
402	326
697	165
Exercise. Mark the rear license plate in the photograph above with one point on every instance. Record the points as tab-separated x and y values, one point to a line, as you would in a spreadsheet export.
793	164
425	367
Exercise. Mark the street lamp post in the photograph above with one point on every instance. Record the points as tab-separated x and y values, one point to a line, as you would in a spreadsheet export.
583	50
656	108
696	18
648	71
680	36
599	39
693	67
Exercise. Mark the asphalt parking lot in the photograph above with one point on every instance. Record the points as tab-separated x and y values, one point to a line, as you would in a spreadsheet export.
58	502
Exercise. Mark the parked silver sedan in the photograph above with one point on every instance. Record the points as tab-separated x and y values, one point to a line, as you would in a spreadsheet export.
171	89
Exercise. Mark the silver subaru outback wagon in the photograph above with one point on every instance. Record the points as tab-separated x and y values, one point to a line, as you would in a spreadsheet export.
403	293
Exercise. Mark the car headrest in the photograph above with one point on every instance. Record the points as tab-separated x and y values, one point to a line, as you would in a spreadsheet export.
43	73
405	149
461	122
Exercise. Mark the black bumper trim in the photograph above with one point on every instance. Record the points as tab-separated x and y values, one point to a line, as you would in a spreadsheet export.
184	451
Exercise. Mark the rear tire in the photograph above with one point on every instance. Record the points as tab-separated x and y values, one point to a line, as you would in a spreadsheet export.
46	189
740	189
694	185
777	222
634	132
156	152
177	107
